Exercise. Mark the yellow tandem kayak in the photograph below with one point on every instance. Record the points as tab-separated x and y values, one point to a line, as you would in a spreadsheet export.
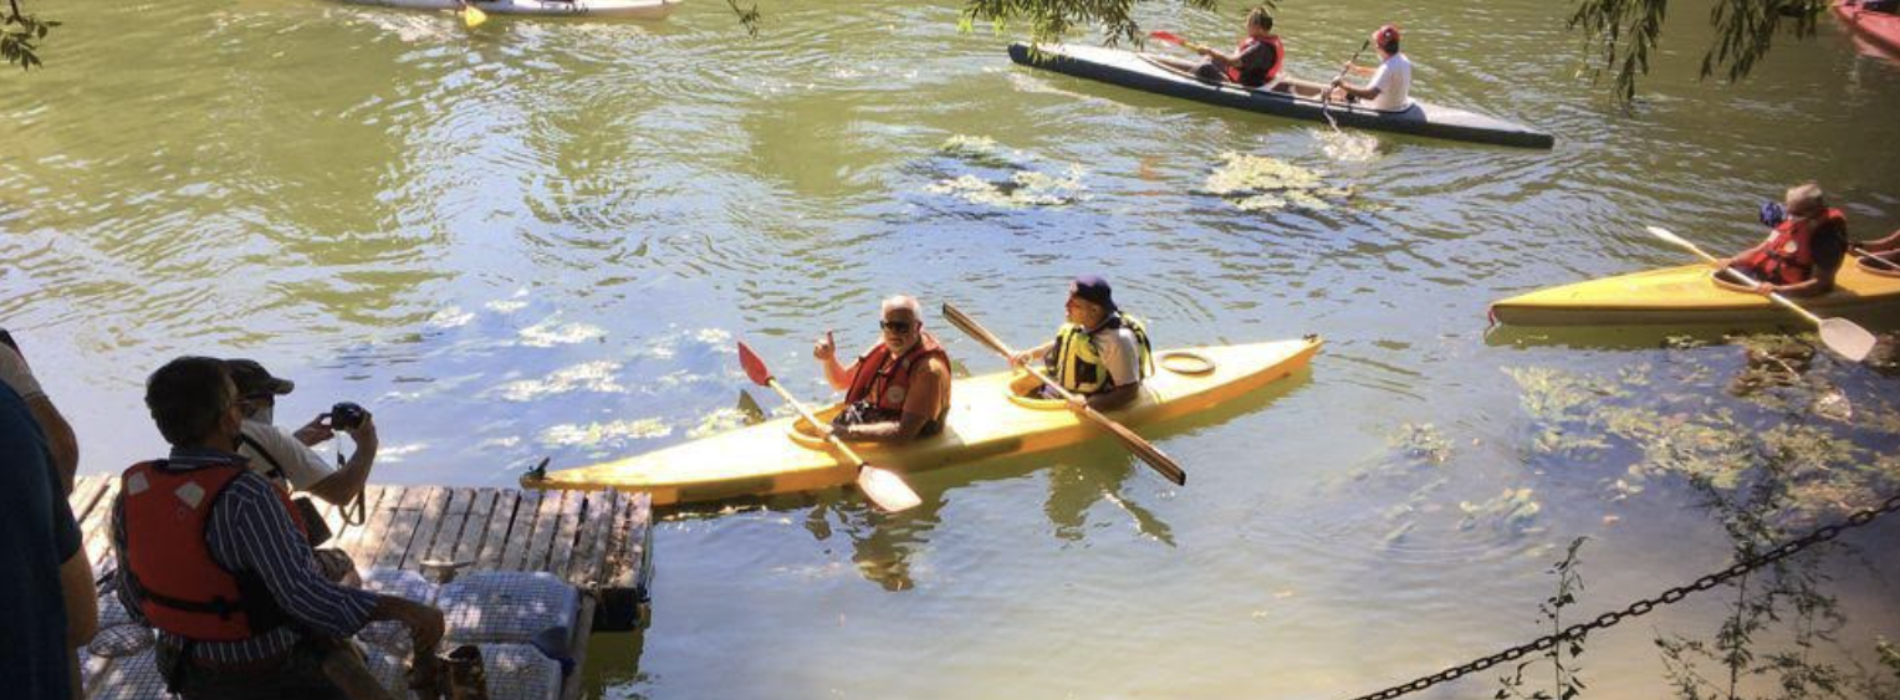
1689	295
986	420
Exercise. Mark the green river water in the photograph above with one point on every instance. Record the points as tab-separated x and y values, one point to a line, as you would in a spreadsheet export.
542	238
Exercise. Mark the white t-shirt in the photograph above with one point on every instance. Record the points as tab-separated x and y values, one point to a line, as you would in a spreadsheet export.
302	466
1121	355
14	372
1394	81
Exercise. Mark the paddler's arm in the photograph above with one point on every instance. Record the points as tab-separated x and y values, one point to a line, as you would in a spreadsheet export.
826	350
1830	250
1115	398
1891	242
1026	356
926	396
1219	59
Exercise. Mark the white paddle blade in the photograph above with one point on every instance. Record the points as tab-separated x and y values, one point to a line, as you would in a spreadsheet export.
887	489
1847	339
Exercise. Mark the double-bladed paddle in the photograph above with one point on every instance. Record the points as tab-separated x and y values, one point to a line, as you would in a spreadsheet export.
1172	38
1141	447
882	486
1326	100
1840	335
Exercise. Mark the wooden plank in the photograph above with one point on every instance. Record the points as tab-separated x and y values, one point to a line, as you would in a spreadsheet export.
547	523
85	493
469	549
501	526
351	537
402	526
561	552
603	517
375	530
448	534
521	537
434	511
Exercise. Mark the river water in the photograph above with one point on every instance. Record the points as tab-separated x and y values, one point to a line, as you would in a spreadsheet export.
543	238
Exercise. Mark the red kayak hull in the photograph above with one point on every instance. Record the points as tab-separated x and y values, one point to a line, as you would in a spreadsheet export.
1879	29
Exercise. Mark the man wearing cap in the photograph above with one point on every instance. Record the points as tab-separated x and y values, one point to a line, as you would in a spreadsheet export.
1100	353
1391	82
285	456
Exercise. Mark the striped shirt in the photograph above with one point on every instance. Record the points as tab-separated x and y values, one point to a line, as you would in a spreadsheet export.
249	530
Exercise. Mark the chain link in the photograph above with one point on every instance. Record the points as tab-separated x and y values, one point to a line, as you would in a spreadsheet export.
1642	607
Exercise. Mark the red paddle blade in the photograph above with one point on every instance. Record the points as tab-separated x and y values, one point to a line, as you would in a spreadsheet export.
754	367
1167	37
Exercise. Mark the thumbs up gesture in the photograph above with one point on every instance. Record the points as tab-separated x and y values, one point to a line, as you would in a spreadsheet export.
826	349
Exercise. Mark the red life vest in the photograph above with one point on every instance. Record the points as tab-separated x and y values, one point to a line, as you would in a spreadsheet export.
1789	256
884	382
178	585
1279	59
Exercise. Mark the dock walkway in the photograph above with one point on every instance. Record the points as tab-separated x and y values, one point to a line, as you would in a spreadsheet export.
600	542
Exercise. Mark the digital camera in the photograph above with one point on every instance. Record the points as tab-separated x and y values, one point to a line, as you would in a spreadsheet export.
347	416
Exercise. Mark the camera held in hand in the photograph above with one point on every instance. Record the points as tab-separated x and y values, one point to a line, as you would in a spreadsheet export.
347	416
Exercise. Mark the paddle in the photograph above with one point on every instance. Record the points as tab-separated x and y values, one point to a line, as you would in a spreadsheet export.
471	15
1172	38
1840	335
1147	452
1326	103
883	487
1883	262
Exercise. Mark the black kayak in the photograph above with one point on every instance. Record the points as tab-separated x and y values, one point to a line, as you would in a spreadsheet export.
1133	70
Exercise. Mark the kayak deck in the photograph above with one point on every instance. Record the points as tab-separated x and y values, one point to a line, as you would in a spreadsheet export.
986	420
1686	295
617	9
1133	70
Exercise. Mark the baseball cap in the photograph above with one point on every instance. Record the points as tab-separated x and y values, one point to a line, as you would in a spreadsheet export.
253	380
1093	288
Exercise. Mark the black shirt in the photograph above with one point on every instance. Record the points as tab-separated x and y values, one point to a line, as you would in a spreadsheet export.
1255	62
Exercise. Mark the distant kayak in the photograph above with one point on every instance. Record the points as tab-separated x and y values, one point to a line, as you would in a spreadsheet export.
1138	71
986	420
618	9
1878	28
1689	295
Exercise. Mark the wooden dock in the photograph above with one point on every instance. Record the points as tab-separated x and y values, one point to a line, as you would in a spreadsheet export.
601	542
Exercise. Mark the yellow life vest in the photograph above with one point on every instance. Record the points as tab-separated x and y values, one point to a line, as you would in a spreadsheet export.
1076	363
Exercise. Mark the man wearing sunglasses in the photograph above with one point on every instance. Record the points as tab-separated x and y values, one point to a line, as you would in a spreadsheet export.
897	391
1805	249
1100	353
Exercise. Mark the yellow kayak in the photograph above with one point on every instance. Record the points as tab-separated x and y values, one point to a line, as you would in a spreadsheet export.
986	420
1689	295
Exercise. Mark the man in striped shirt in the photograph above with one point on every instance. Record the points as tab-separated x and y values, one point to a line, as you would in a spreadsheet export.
212	556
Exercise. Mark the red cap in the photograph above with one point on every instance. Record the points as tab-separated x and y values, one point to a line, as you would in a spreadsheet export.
1386	35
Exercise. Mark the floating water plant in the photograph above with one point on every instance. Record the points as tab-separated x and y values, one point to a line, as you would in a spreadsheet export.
1260	183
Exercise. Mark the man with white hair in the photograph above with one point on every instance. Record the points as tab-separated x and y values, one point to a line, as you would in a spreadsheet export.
1805	249
897	391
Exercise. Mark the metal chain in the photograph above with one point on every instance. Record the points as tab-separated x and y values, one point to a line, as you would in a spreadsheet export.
1642	607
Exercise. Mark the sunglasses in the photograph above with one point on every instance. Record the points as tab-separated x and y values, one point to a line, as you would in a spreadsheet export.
897	326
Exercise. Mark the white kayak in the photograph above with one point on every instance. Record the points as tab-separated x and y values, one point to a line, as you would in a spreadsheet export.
624	9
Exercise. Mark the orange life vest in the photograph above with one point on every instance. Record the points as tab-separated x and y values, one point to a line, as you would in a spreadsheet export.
1279	59
1789	256
178	585
883	382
